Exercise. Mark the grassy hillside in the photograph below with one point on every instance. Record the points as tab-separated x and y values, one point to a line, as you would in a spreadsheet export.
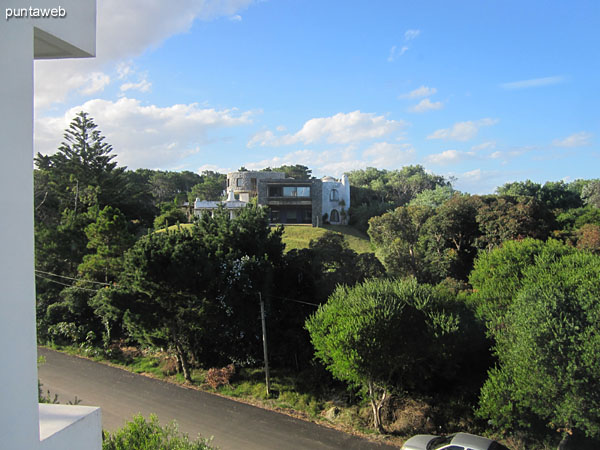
298	236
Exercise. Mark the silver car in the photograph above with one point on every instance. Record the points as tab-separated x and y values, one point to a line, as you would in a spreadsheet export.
458	441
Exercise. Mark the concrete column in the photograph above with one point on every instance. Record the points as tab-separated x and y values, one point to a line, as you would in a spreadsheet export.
21	40
18	353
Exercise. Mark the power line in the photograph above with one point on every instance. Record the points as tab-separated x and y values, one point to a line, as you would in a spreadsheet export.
73	279
293	300
65	284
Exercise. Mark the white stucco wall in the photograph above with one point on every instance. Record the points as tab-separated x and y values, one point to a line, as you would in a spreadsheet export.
342	203
19	419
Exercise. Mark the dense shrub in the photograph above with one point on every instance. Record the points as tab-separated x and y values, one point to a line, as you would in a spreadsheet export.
142	434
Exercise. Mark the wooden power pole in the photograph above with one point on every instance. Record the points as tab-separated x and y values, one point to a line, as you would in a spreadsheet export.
264	334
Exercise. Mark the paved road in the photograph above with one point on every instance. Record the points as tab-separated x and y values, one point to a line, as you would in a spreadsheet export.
234	425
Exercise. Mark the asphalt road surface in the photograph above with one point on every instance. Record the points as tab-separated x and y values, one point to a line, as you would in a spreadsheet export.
234	425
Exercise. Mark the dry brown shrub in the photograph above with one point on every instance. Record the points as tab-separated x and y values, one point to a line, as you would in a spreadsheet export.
130	352
169	365
218	377
409	416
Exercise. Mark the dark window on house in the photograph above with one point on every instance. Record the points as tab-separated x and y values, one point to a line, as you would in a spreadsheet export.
253	182
307	216
274	216
334	217
227	182
275	191
334	196
239	182
296	191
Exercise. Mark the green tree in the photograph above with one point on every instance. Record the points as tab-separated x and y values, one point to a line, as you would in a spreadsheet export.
381	335
591	193
553	194
497	276
334	263
503	218
297	171
172	186
193	290
84	161
168	275
109	238
520	189
433	197
374	191
170	214
449	237
548	350
210	188
397	237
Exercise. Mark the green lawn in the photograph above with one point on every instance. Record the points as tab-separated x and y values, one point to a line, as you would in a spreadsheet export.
299	236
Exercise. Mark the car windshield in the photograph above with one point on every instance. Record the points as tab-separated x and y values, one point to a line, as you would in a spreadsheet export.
438	442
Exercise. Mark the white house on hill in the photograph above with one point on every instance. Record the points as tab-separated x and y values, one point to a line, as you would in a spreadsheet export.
209	207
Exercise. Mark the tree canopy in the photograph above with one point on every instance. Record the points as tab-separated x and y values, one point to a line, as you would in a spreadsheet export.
381	335
549	348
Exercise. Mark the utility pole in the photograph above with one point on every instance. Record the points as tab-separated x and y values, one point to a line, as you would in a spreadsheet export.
264	334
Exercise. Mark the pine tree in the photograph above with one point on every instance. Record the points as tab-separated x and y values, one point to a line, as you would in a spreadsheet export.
82	172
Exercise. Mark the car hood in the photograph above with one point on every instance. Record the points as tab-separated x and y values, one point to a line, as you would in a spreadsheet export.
418	442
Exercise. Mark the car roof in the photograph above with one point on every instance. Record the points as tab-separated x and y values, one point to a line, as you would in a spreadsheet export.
471	441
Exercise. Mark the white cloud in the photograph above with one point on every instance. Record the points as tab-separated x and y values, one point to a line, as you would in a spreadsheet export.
473	175
342	128
143	136
535	82
580	139
337	161
479	181
489	145
143	86
213	168
448	157
94	82
125	30
426	105
236	18
422	91
384	154
263	138
496	155
518	151
409	35
124	69
462	131
395	53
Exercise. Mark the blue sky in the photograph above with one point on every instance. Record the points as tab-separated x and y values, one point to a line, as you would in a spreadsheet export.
483	91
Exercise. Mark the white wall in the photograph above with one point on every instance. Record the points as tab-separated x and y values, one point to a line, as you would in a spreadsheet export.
18	375
19	422
343	189
68	427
